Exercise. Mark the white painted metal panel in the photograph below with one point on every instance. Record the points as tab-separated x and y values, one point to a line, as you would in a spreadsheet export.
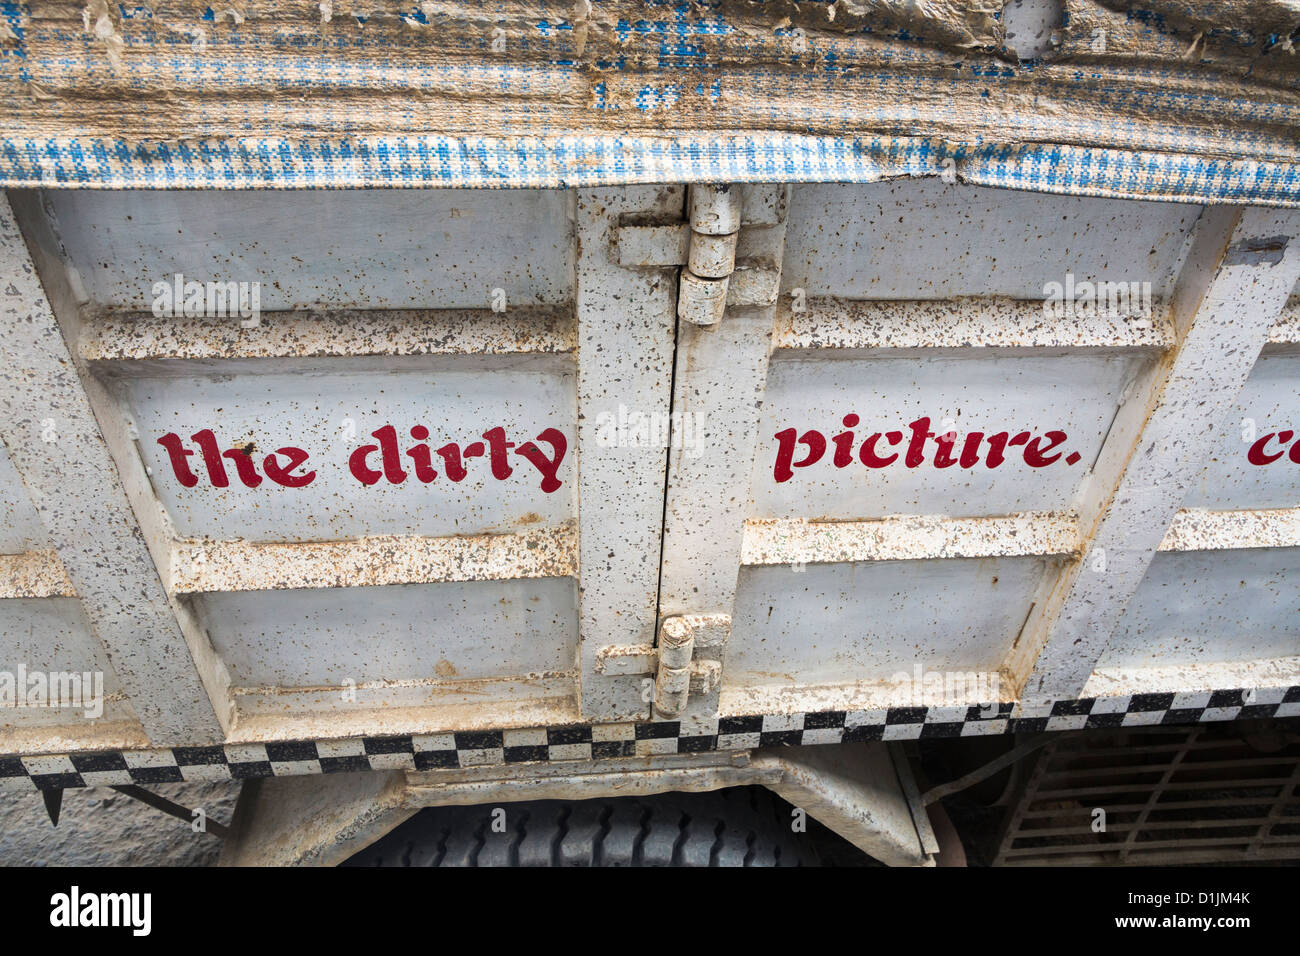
625	367
473	630
961	393
20	526
1239	271
372	249
1206	607
80	495
1269	404
319	383
871	621
925	239
331	410
981	409
49	636
831	583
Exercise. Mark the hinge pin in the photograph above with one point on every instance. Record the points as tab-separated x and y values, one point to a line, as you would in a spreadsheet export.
673	678
715	223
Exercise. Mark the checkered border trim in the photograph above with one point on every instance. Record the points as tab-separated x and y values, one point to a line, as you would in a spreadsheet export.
579	742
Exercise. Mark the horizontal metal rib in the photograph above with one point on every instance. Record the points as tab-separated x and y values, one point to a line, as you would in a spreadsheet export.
308	334
1200	529
962	323
908	537
198	567
1286	328
34	574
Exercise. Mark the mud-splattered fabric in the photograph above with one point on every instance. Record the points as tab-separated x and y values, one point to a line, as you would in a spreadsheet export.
1167	101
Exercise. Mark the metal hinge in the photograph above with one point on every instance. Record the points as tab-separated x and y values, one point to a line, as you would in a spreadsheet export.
687	660
711	255
721	267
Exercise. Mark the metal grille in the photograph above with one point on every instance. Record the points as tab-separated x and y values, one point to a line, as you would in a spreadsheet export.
1160	795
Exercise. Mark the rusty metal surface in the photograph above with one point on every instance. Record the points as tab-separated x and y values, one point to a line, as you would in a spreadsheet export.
376	600
918	537
718	386
1200	529
34	574
1286	330
966	323
372	561
309	334
625	348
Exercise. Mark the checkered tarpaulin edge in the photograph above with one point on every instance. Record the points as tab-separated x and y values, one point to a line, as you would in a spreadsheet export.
600	160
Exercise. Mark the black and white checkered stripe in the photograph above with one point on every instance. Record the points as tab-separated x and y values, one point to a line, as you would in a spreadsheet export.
580	742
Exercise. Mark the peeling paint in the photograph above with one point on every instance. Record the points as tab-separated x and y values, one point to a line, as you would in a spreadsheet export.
1255	252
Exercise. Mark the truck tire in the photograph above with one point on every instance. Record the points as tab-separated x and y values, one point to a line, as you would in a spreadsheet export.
745	826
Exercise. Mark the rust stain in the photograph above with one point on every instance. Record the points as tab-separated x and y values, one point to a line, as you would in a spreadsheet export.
34	574
908	537
372	561
113	336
